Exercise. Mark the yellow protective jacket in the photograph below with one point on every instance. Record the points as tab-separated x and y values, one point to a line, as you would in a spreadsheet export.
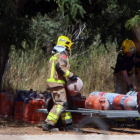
58	70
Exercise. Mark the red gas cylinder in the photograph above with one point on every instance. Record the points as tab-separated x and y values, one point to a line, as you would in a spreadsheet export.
77	117
130	103
26	113
138	99
6	104
18	112
35	117
116	102
97	102
74	87
78	102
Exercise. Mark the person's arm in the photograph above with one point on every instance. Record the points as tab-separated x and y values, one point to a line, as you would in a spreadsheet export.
125	77
31	96
137	67
127	80
139	78
61	66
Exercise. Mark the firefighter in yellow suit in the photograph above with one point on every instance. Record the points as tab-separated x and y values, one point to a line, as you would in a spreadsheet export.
57	74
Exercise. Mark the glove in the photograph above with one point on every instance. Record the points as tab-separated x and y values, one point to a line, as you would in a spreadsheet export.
130	87
73	78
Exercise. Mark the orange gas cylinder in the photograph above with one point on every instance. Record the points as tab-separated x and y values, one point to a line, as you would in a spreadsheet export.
18	112
6	104
97	102
130	103
116	102
74	87
78	102
26	112
35	117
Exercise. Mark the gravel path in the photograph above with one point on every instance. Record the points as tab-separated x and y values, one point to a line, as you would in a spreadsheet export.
70	137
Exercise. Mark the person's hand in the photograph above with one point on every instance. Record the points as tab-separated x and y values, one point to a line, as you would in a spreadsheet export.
137	60
130	87
31	98
74	77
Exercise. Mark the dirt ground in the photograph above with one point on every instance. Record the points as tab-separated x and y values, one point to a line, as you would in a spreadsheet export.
18	130
11	127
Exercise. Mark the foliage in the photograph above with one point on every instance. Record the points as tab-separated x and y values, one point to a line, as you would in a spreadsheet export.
133	22
107	18
13	30
28	69
71	8
40	22
46	29
94	68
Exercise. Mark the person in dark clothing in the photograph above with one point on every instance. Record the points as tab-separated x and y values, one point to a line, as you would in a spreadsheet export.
127	69
21	95
48	101
34	95
31	95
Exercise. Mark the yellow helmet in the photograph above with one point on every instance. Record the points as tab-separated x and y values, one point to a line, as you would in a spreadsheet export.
64	41
128	46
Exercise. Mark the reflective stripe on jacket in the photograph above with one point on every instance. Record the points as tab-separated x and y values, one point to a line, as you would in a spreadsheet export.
58	70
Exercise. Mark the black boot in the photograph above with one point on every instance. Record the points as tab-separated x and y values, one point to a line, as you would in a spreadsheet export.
50	128
70	127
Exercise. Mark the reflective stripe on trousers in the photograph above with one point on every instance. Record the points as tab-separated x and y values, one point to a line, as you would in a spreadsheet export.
60	105
66	117
54	117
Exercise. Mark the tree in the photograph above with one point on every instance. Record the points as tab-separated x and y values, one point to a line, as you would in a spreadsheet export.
13	29
15	19
109	18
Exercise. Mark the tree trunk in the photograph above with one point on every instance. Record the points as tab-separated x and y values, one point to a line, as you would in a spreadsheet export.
20	4
4	52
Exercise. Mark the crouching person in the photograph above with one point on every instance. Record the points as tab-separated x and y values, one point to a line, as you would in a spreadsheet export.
57	74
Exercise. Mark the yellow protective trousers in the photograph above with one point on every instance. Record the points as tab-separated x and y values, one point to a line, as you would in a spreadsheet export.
60	105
